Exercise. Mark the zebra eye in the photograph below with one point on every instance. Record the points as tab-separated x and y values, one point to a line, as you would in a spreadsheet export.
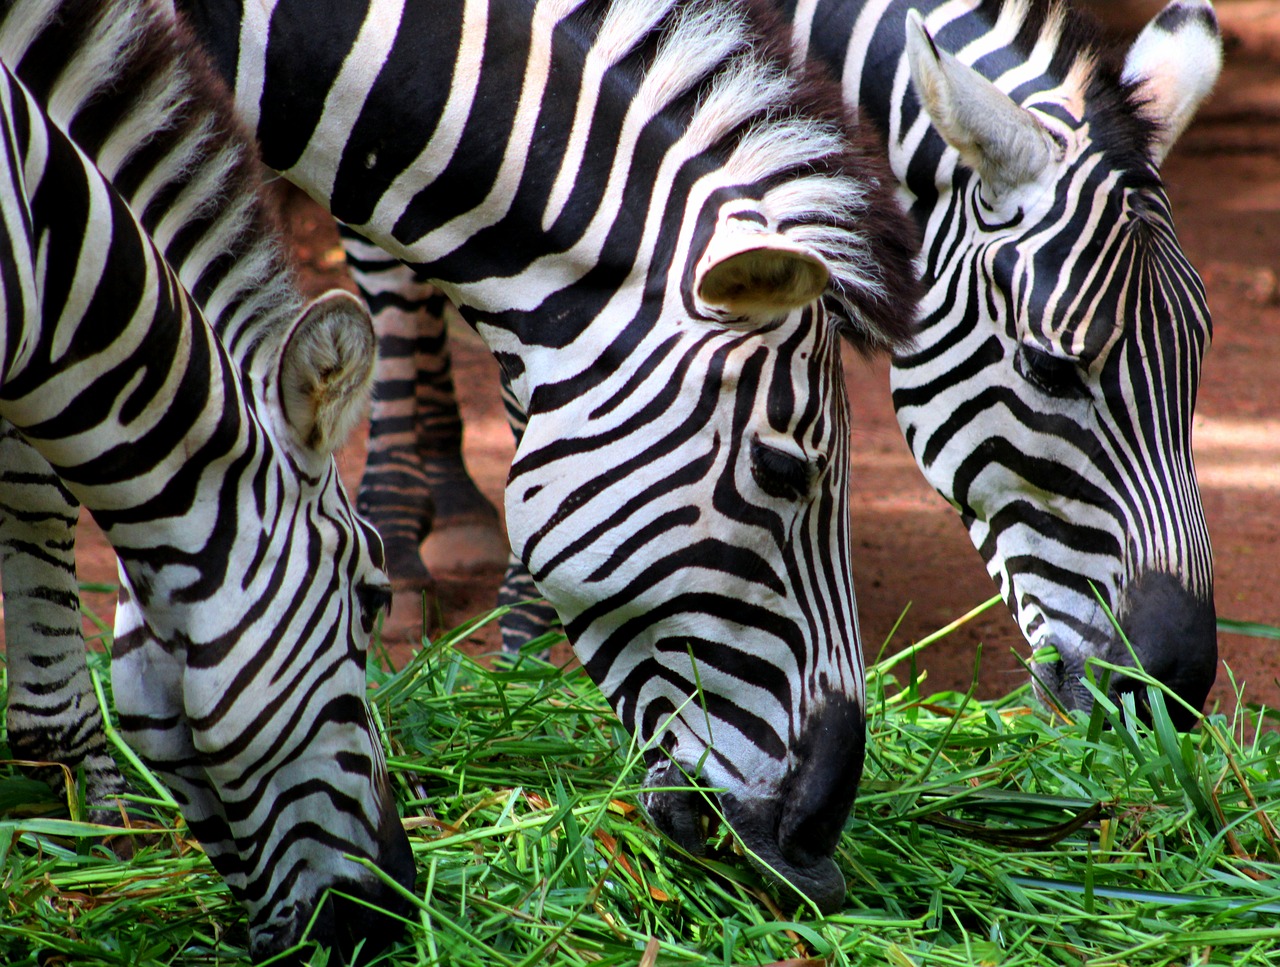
374	600
1053	375
779	474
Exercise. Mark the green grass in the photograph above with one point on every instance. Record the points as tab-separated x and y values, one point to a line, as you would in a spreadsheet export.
984	833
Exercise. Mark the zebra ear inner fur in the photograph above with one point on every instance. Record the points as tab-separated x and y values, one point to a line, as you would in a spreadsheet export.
326	370
1175	62
758	275
996	137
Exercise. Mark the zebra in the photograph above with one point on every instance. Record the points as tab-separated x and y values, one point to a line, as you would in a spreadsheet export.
1054	325
1049	393
695	233
249	585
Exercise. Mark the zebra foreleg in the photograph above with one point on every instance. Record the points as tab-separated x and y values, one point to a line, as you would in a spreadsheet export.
415	480
53	714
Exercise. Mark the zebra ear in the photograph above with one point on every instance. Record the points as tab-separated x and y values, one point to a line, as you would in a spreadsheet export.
1174	63
749	273
326	370
996	137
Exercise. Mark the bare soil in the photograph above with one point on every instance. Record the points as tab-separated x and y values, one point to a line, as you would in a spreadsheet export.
913	555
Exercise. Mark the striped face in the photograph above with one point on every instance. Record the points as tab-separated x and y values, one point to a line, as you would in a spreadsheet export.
692	531
1060	426
249	698
1051	393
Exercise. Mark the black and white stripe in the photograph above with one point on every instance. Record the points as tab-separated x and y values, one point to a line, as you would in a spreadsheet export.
1050	392
205	454
637	205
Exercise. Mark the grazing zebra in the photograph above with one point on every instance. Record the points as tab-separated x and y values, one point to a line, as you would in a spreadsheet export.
665	272
1050	391
1049	395
250	586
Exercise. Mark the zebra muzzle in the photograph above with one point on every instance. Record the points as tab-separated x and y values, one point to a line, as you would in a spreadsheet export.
1170	632
789	837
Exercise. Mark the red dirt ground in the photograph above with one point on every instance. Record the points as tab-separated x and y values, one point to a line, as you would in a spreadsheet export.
1224	180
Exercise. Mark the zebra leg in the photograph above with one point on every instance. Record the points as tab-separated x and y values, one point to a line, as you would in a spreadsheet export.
53	713
414	476
529	615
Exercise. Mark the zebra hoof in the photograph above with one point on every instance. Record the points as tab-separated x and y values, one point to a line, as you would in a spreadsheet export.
406	570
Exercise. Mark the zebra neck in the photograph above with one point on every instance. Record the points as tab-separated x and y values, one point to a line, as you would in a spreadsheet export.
137	462
162	130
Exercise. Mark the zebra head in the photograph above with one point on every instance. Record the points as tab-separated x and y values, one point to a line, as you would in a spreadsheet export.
1050	396
246	695
690	524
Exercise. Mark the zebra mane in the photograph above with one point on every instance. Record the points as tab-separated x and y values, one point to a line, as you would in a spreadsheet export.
1093	66
722	71
133	90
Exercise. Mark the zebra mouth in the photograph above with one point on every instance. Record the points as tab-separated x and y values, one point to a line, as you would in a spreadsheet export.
792	876
791	835
1171	633
357	920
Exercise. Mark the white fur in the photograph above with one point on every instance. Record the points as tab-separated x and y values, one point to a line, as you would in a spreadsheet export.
1175	72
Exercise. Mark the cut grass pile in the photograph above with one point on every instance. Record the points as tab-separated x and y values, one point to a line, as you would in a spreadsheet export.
984	833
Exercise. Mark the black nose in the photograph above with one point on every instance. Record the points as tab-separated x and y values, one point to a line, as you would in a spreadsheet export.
1174	634
819	793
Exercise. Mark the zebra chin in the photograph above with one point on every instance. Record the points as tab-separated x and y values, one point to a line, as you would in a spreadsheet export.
791	836
1173	634
356	919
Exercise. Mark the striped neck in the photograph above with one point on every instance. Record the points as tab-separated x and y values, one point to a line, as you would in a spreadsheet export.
163	131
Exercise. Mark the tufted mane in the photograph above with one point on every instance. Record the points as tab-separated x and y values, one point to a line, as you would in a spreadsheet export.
719	76
1113	106
140	99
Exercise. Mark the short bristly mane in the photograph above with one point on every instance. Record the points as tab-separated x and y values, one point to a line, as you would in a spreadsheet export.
161	126
722	72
